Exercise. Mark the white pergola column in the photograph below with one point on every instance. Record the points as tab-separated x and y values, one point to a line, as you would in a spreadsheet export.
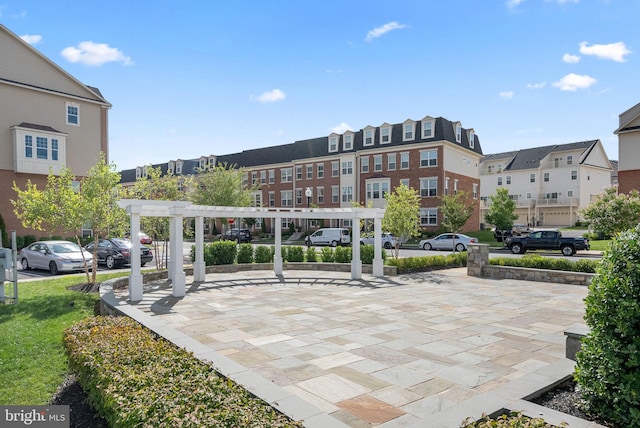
277	257
176	263
378	265
356	263
199	268
135	277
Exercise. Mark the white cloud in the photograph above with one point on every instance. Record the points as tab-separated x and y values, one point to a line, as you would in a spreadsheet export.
512	4
32	39
613	51
90	53
571	59
272	96
506	95
377	32
539	85
340	129
573	82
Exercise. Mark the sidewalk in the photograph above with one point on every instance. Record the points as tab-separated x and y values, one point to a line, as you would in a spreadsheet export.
426	349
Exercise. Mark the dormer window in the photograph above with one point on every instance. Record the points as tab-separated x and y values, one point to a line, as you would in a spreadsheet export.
472	138
347	142
427	128
138	172
170	167
458	129
368	137
385	135
179	167
202	162
333	143
408	129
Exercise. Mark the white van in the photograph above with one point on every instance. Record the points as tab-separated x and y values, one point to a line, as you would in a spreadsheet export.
329	236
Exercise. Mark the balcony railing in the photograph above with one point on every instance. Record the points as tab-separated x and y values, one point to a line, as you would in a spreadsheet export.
543	202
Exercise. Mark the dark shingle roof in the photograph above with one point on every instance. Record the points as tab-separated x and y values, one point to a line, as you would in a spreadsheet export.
530	158
38	127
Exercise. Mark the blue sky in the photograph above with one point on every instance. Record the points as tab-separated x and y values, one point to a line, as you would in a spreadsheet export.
192	78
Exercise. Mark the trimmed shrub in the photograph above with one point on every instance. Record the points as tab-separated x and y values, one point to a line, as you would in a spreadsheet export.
310	255
367	253
133	379
295	254
327	254
342	255
608	364
535	261
284	253
263	255
245	253
220	253
427	263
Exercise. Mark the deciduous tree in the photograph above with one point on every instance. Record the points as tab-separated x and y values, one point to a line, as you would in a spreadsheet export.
501	211
456	209
612	213
402	214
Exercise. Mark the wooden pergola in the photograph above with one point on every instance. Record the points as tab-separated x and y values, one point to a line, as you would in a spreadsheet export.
179	210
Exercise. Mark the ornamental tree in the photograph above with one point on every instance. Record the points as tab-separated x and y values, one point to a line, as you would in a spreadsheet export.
402	215
456	209
502	210
612	212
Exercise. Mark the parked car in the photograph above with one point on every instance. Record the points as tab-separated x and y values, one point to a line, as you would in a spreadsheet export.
329	236
448	241
388	240
238	235
546	240
144	238
55	256
516	230
116	252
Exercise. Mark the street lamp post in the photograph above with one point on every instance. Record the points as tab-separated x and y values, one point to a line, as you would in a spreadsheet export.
308	193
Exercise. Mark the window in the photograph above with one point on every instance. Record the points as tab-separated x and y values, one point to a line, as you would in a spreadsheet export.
272	176
408	131
286	198
254	177
508	179
138	172
428	216
347	168
569	159
245	179
73	114
475	190
272	199
347	142
556	162
570	193
335	194
286	175
364	164
298	173
574	174
455	186
472	139
179	167
377	163
528	195
309	172
320	194
257	199
263	177
333	144
54	149
427	129
499	181
429	158
391	162
42	148
532	178
212	162
28	146
446	185
201	163
368	137
545	177
429	186
404	182
320	170
335	168
404	160
385	135
347	194
298	196
458	133
377	189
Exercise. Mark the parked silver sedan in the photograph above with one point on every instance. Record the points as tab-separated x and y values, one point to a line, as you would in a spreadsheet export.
388	240
447	241
55	256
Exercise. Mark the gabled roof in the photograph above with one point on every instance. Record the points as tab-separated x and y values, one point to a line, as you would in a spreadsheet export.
530	158
627	118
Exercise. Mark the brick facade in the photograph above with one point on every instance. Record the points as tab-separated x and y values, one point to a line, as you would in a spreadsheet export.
628	181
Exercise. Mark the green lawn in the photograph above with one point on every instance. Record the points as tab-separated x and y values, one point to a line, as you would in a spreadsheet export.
32	359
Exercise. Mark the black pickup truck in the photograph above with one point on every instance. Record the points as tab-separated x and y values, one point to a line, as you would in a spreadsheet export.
546	240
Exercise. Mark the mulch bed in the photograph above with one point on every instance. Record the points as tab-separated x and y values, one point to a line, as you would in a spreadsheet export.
81	413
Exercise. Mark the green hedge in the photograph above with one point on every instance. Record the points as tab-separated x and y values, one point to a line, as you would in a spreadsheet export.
539	262
245	253
263	255
295	254
311	255
134	379
427	263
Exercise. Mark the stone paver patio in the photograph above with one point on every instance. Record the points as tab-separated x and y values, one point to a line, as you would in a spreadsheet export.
423	350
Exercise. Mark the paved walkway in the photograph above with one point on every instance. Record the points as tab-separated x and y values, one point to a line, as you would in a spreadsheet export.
423	350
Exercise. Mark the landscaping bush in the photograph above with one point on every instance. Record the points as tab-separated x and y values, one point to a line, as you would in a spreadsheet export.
295	254
311	255
220	253
511	420
263	255
535	261
367	254
342	255
427	263
608	365
284	253
245	253
327	254
134	379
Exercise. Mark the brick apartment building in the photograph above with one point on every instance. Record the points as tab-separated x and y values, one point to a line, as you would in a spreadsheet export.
432	155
